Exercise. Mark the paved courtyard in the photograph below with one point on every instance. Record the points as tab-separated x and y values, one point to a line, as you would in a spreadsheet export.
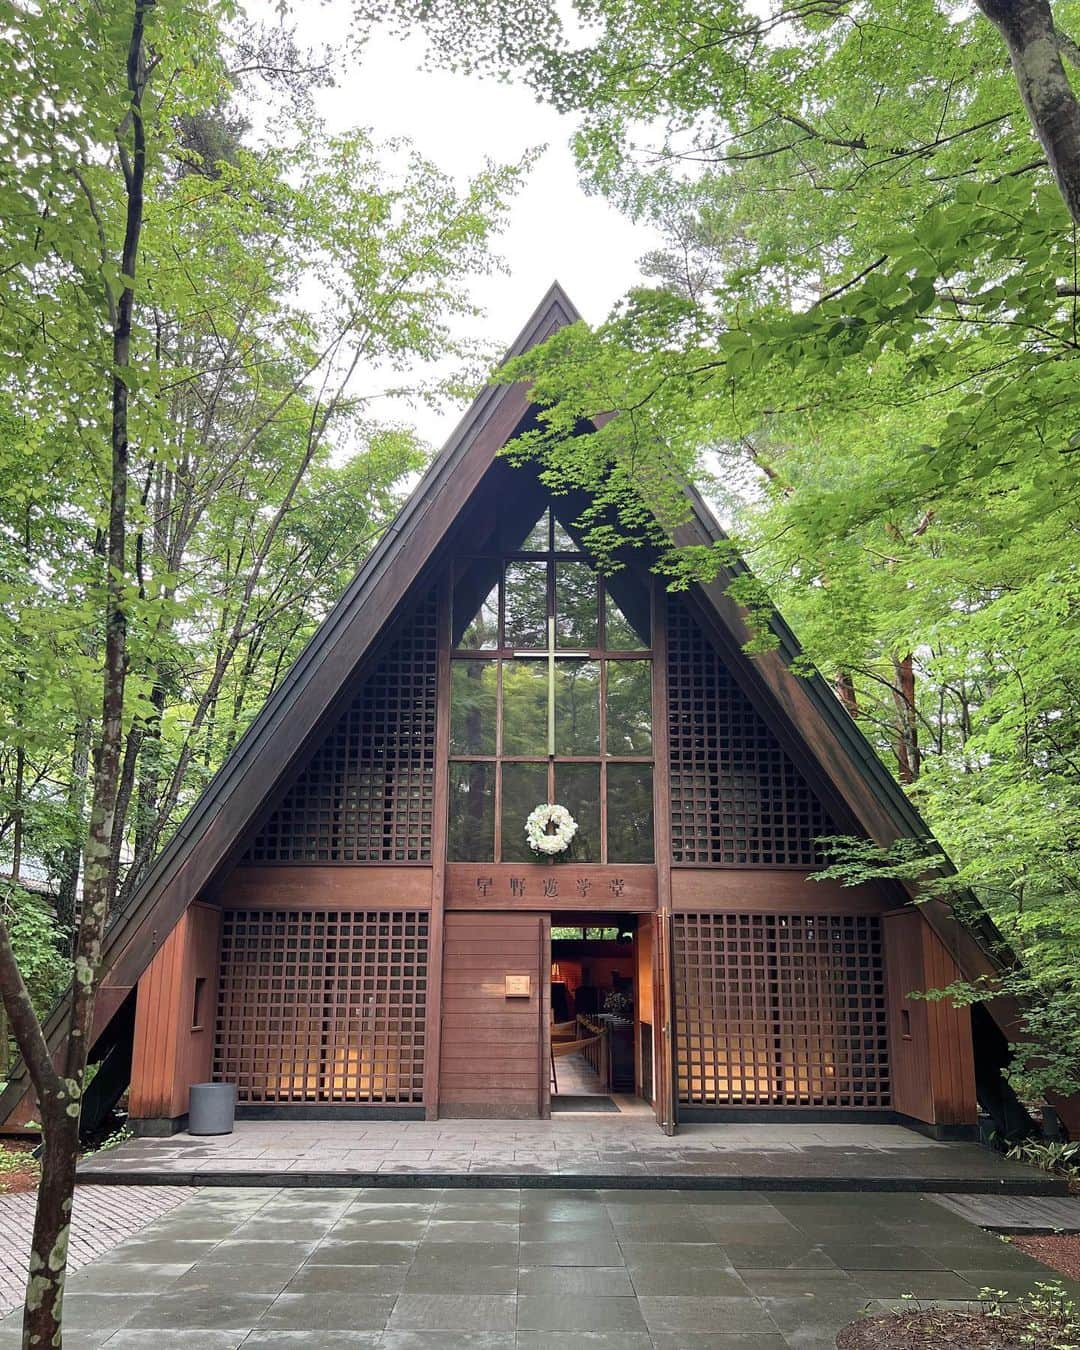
581	1150
491	1269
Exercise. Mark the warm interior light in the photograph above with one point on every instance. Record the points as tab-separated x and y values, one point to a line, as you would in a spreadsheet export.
349	1073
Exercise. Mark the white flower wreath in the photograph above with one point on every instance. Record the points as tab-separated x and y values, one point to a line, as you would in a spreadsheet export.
537	826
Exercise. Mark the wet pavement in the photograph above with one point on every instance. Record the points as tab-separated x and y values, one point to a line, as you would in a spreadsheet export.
492	1269
569	1150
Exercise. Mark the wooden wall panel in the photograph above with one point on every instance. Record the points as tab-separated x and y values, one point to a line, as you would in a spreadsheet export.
367	792
781	1010
110	998
308	886
931	1043
700	889
737	797
907	1017
171	1052
619	888
952	1050
493	1047
323	1006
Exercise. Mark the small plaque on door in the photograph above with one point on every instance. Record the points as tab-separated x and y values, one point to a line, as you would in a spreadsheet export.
518	986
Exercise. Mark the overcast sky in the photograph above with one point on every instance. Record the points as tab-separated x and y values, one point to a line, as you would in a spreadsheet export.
556	232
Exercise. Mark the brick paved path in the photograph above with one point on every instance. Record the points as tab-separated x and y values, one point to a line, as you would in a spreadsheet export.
103	1216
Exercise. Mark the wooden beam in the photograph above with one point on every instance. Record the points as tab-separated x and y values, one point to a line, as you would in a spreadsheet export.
663	994
439	827
664	1012
704	889
309	886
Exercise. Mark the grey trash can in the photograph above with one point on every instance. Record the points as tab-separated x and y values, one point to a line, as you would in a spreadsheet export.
211	1108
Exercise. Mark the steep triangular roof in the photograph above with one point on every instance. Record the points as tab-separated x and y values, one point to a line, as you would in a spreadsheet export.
281	734
278	735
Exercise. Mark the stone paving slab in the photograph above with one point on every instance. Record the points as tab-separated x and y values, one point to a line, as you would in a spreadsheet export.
568	1151
679	1269
101	1217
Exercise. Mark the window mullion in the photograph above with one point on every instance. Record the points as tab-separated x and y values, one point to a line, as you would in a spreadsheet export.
603	762
551	687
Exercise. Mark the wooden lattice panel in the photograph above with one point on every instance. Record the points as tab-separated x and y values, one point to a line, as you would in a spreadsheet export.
781	1010
736	797
323	1007
367	793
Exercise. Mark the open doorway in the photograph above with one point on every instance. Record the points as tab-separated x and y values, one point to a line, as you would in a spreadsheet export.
601	1002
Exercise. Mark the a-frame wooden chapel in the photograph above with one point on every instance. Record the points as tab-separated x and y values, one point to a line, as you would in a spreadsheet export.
350	922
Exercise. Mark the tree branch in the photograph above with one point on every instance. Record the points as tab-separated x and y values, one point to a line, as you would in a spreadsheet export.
1035	49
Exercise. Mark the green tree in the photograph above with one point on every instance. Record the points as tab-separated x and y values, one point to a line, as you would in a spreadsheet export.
862	339
739	82
194	334
106	270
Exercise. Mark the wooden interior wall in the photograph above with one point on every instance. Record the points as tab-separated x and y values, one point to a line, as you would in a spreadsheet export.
170	1051
493	1060
644	991
643	1004
931	1043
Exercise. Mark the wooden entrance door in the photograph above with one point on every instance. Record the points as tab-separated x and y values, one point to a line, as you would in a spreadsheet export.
496	1001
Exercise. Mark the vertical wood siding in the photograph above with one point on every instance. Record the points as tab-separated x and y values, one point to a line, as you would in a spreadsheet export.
169	1054
493	1046
931	1043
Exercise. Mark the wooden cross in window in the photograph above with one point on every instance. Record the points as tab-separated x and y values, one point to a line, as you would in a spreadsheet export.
548	655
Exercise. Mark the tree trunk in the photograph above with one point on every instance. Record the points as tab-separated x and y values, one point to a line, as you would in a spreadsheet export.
908	754
71	858
52	1224
122	804
845	692
60	1095
17	814
1035	49
149	775
58	1102
19	810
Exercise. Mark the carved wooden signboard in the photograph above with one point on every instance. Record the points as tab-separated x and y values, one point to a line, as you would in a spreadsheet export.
629	888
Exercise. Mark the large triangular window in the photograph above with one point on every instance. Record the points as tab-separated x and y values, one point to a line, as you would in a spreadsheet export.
551	700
